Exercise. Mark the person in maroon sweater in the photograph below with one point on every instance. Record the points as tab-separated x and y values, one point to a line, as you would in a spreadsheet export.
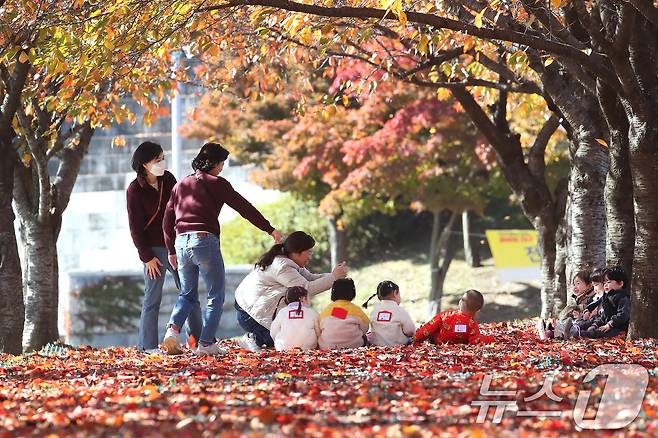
191	230
146	197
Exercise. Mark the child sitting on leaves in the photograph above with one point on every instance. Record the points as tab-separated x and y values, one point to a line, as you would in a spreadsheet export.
391	324
582	296
616	308
342	324
456	326
297	325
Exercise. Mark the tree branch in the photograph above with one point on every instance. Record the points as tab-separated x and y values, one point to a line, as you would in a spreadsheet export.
646	9
69	166
536	161
593	62
36	148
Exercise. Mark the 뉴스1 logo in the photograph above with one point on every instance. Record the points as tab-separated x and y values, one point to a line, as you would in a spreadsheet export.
620	403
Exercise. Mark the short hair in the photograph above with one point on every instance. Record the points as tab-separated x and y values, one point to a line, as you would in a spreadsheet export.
343	289
597	275
210	155
585	275
473	300
616	273
145	152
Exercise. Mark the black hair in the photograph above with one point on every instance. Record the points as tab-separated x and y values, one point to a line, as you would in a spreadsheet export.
585	275
145	152
343	289
597	275
293	294
296	242
473	300
384	289
616	273
210	155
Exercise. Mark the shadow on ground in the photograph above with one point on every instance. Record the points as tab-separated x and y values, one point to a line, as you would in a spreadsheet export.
505	306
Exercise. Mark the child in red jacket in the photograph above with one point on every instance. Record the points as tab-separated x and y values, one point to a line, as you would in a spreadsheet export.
456	326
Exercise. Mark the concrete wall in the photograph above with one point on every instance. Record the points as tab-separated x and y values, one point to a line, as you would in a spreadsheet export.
95	240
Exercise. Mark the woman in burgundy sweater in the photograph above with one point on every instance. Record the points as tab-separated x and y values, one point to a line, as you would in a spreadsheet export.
147	197
191	232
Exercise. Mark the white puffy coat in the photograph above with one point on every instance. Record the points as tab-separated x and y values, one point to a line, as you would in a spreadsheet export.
261	290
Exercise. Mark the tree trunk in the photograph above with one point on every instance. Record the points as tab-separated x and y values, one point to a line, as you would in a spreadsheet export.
40	282
546	229
440	258
561	248
12	309
589	166
40	204
337	241
471	248
643	148
620	232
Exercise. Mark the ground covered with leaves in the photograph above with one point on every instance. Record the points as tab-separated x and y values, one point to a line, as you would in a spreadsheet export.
415	391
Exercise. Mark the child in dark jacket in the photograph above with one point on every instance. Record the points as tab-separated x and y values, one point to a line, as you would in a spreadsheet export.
616	308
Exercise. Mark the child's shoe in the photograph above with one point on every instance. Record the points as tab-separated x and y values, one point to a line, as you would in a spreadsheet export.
248	342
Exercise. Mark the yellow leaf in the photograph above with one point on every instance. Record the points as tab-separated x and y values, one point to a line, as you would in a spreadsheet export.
346	100
27	159
306	36
118	142
422	44
479	17
602	142
23	58
548	61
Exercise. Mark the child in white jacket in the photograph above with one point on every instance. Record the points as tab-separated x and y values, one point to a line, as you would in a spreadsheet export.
391	324
297	325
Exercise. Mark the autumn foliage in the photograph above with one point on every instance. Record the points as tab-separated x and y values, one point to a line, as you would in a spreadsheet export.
417	391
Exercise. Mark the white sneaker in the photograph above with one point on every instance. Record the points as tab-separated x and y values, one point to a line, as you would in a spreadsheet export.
170	343
210	350
248	342
152	351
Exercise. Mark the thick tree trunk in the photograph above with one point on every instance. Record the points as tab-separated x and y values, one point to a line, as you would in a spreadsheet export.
338	242
589	166
643	148
471	248
440	258
12	310
620	232
40	282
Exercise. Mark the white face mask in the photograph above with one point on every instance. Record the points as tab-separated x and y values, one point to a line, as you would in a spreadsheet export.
158	169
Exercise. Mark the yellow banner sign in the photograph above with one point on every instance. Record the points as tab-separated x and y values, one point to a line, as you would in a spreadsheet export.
515	254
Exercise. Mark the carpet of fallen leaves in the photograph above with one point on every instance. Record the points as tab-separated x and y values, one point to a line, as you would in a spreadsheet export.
412	391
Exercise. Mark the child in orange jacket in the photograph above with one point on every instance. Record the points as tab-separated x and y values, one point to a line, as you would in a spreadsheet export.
456	326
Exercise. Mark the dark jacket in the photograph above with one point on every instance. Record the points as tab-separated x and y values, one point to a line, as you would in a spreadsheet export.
142	202
195	204
616	308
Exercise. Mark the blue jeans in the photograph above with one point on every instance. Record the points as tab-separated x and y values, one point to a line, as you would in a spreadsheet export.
198	253
148	321
261	333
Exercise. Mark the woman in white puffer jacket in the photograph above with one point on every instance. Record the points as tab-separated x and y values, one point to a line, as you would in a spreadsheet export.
259	295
